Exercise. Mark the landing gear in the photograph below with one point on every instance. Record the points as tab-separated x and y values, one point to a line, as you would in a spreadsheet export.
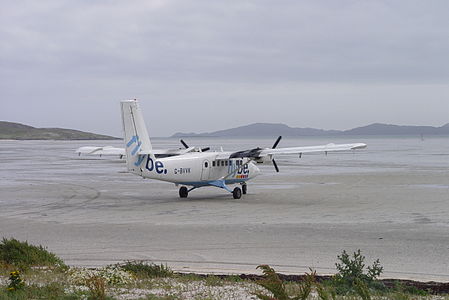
183	192
244	188
237	193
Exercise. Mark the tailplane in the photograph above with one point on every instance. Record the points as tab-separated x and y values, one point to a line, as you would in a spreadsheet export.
137	141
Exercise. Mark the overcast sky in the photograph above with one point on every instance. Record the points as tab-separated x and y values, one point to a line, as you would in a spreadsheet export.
199	66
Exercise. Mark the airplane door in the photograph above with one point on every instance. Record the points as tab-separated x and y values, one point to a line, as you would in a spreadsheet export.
206	170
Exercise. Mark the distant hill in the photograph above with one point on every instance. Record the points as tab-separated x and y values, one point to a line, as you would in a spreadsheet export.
17	131
270	129
386	129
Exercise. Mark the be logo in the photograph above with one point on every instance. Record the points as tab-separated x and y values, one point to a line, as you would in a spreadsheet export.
244	170
157	166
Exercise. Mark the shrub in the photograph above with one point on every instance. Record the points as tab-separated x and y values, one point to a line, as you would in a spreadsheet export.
352	275
97	287
15	282
325	293
112	275
276	286
24	256
142	269
362	289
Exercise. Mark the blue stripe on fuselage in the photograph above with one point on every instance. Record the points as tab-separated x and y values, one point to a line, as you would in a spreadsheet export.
209	183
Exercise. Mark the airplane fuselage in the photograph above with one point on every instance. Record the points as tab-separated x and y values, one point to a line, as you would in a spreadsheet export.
198	169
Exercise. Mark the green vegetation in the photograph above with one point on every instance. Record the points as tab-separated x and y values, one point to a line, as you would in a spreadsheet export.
97	287
145	270
141	280
52	291
15	282
352	275
353	281
23	256
276	286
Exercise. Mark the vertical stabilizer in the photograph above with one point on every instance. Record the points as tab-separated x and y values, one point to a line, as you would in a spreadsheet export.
137	141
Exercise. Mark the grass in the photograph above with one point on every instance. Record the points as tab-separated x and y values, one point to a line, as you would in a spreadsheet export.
52	291
144	270
159	282
45	284
21	255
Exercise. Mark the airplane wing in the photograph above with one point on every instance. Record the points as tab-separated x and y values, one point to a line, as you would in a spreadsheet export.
313	149
107	150
262	152
264	155
258	153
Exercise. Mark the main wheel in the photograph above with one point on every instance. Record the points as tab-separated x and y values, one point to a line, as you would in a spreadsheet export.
183	192
237	193
244	189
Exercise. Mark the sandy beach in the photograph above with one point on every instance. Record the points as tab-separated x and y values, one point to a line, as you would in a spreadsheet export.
91	213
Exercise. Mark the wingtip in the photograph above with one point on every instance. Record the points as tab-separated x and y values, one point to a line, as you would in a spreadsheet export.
359	146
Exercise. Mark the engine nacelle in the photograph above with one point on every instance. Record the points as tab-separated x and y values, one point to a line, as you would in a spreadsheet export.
264	160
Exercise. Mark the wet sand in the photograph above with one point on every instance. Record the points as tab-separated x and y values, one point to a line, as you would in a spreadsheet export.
91	213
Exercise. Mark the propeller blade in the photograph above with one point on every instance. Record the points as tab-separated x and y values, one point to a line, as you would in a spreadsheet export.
275	165
205	149
276	143
184	144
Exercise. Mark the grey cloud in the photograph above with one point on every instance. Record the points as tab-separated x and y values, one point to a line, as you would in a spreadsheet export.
91	54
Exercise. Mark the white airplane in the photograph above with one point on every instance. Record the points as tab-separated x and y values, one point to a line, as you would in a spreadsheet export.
193	167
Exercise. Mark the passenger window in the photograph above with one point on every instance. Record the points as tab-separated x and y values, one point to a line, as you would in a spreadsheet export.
206	164
213	163
226	163
222	163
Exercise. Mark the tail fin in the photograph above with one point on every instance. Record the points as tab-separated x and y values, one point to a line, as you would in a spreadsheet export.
137	141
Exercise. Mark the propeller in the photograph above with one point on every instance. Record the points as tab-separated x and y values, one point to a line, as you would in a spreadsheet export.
277	142
274	146
184	144
275	165
187	146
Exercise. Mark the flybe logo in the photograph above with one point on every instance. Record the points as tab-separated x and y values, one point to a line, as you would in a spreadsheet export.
151	165
135	140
